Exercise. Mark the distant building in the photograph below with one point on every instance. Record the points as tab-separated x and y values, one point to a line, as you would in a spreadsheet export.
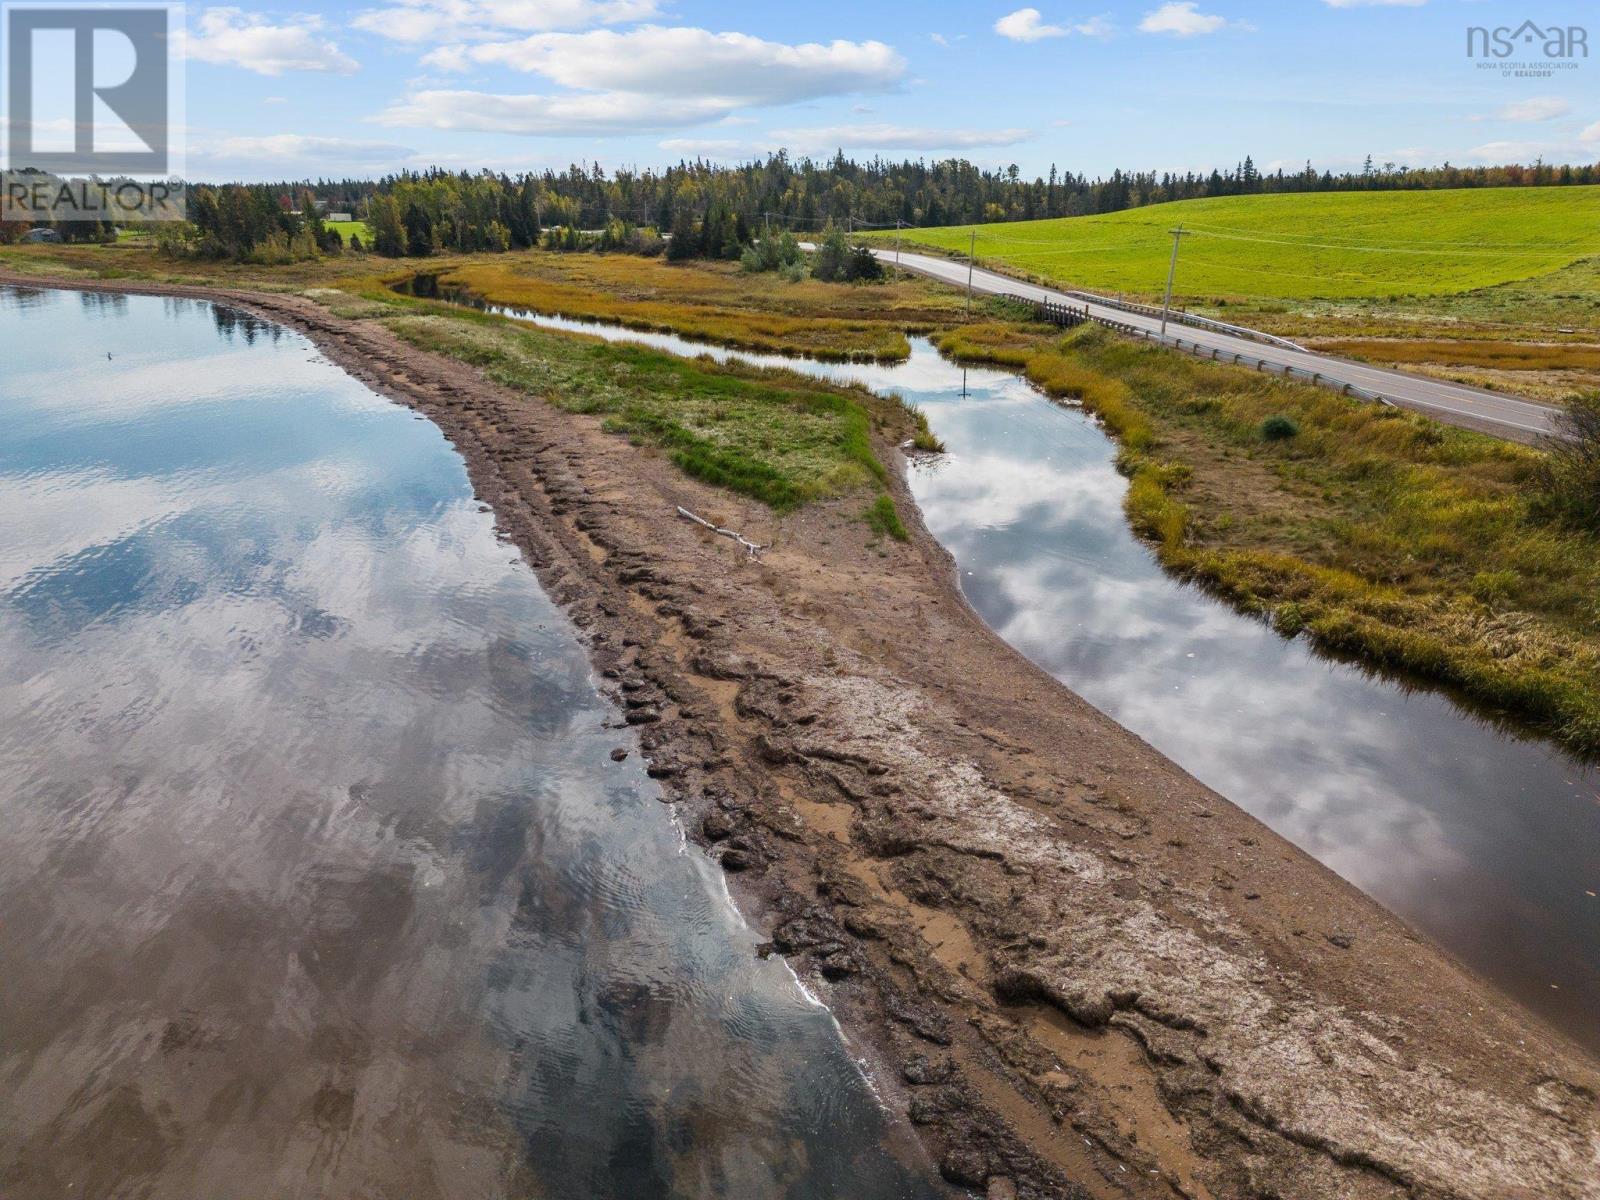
41	235
333	216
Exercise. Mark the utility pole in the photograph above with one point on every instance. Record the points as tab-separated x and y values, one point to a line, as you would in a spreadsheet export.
1172	270
972	253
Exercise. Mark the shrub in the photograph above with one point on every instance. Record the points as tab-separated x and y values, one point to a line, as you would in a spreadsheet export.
772	254
1279	428
1569	479
836	261
864	266
832	259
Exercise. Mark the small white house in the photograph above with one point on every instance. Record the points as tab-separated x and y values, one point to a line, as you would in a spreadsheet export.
333	216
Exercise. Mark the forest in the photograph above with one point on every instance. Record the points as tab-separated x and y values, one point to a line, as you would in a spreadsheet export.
726	207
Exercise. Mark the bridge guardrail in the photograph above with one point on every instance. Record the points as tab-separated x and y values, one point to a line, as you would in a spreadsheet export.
1067	316
1184	318
1050	312
1232	358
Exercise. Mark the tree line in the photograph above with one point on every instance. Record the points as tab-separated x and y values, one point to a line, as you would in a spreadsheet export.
720	210
841	191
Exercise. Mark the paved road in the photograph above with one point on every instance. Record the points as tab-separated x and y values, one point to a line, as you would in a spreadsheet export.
1452	403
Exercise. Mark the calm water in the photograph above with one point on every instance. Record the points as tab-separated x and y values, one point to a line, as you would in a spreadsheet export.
1487	841
316	879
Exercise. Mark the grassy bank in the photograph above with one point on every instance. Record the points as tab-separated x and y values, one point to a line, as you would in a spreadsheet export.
1376	533
775	437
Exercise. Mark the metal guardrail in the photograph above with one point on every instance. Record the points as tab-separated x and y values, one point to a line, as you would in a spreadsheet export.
1285	370
1184	318
1067	316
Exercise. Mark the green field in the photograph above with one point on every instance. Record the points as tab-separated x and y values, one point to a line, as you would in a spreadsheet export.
1330	245
346	228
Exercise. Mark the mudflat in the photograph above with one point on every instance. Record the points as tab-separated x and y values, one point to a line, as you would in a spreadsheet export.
1081	972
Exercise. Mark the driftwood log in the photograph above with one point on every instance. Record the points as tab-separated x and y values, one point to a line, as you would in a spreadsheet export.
754	549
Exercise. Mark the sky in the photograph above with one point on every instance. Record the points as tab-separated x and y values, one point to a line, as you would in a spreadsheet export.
322	88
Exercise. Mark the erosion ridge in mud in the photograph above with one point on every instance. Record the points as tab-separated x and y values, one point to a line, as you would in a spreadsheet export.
1092	976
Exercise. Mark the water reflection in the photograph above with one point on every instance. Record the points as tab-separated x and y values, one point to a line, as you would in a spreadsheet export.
316	877
1486	840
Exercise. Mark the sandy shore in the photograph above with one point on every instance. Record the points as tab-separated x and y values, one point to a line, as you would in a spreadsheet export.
1081	972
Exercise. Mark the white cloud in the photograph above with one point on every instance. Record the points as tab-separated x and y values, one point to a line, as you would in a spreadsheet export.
1591	134
529	115
1507	152
1535	108
735	67
1026	25
719	148
295	147
826	139
448	58
1181	18
647	79
896	137
1374	3
415	21
231	37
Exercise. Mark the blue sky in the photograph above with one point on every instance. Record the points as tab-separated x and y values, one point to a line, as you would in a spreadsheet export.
366	87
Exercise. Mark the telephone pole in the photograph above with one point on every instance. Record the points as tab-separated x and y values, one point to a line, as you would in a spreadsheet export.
972	253
1172	270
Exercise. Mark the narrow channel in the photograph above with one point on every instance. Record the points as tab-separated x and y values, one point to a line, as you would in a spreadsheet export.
1482	836
317	877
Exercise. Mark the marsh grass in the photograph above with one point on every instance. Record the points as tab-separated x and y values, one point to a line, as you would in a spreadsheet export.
776	437
714	302
884	520
1373	532
922	435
